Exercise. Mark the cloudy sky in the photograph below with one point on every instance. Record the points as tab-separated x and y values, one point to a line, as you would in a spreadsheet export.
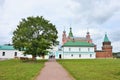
98	16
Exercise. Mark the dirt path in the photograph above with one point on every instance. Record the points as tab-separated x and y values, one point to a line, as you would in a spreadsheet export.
53	71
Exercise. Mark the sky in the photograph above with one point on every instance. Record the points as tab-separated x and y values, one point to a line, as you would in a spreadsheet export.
96	16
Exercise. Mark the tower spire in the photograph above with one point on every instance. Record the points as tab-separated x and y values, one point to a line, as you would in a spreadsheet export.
70	33
89	40
106	38
64	38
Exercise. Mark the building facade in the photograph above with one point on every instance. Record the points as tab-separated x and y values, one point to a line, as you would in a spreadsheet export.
8	52
78	50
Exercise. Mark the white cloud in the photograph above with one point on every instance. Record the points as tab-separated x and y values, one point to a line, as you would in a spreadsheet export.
116	46
98	11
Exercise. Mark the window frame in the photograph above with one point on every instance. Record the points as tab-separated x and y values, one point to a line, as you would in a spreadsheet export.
79	55
15	54
69	49
3	53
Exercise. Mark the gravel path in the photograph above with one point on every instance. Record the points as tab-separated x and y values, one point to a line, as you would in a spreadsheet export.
53	71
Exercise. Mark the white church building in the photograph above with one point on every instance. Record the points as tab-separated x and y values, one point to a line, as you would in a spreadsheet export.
77	47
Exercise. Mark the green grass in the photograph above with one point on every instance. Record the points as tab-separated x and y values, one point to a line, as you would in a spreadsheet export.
18	70
93	69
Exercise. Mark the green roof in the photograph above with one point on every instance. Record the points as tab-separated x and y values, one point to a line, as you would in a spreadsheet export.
106	38
7	47
78	43
70	33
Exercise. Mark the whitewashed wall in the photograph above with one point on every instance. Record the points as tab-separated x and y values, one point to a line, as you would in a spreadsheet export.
78	53
10	54
78	49
77	56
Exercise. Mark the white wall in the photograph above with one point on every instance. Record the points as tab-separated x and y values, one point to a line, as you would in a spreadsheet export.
10	53
65	54
78	49
78	52
77	56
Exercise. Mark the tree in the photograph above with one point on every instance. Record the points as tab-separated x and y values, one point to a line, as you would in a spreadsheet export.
35	36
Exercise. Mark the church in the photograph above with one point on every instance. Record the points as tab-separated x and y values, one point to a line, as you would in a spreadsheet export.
77	47
83	47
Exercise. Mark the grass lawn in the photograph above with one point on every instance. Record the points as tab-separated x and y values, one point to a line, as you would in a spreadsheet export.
18	70
93	69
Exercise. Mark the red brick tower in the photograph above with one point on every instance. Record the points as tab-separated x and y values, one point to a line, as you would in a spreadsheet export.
107	48
64	38
88	38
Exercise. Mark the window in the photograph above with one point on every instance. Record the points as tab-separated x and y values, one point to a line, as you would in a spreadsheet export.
69	49
79	49
88	49
90	55
15	54
3	54
72	55
79	55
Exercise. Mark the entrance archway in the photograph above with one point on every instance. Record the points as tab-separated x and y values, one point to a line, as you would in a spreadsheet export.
60	56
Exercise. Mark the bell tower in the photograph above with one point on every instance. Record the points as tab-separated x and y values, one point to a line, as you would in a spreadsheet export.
70	33
89	40
64	38
107	48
